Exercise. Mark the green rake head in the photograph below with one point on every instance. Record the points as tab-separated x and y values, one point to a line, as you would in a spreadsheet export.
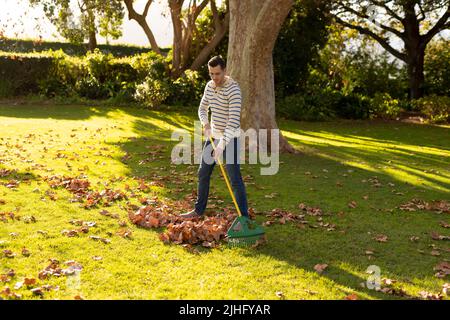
244	233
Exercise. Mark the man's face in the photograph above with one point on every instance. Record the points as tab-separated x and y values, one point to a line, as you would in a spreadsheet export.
217	74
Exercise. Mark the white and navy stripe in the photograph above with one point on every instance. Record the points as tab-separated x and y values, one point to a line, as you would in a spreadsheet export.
225	105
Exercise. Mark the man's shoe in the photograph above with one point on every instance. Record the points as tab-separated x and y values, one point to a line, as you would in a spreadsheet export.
190	215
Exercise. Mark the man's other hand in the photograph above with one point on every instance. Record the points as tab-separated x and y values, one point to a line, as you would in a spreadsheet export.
207	130
218	152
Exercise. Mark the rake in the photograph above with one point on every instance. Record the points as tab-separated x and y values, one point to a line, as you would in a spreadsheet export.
243	232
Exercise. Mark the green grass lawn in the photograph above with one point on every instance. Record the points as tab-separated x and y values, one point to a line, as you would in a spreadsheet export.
378	165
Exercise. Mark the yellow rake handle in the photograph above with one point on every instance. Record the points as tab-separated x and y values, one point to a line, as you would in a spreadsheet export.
225	176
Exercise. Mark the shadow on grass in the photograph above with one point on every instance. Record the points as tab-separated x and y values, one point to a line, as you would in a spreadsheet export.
21	176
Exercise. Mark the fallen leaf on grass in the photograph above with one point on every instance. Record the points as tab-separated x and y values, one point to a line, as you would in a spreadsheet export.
437	236
6	292
311	211
284	216
29	281
388	281
26	252
320	267
18	285
37	291
444	224
430	296
12	184
83	223
443	269
125	233
96	238
311	292
394	291
51	194
4	278
271	196
69	233
123	223
435	253
352	204
8	253
381	238
445	288
52	269
48	287
29	219
109	214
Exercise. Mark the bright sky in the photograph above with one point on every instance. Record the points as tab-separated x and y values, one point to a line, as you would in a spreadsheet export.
19	20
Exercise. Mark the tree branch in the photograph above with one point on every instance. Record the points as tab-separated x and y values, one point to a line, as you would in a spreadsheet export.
200	8
219	33
80	6
217	23
383	42
442	24
388	10
365	16
147	6
140	19
422	12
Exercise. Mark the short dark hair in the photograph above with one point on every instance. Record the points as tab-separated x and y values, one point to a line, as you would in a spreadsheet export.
217	61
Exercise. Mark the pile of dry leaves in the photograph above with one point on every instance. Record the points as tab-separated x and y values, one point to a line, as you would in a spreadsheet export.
207	231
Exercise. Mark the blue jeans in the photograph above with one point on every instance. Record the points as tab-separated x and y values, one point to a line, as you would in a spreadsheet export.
232	163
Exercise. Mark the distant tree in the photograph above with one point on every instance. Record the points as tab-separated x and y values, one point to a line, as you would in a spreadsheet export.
184	17
411	21
206	36
437	67
90	17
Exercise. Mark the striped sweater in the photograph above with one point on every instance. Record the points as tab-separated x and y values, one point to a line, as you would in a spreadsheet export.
225	105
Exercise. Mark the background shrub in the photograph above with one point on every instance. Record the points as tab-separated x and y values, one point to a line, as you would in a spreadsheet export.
152	92
435	108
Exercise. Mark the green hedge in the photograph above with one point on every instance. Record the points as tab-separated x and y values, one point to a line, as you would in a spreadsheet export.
142	77
327	104
20	74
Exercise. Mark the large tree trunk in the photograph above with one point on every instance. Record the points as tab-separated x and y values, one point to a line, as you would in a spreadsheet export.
92	41
415	51
92	32
415	74
175	13
254	28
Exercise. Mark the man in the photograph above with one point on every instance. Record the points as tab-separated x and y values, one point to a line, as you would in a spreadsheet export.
223	97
